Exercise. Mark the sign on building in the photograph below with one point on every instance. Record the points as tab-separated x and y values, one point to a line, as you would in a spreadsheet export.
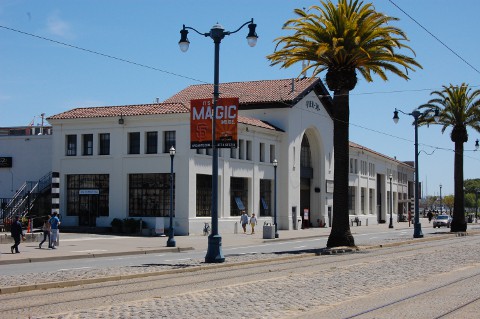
5	162
201	119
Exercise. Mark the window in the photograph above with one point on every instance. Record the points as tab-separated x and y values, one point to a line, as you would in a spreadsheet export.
134	143
370	200
262	152
152	142
371	169
363	168
238	195
71	145
272	153
305	154
168	141
104	144
233	152
353	166
87	144
351	200
266	197
249	150
95	204
241	149
362	199
149	195
204	195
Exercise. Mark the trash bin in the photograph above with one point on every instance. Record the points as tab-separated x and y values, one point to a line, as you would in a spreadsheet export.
268	231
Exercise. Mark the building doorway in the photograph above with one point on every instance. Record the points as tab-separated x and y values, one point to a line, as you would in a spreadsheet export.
88	212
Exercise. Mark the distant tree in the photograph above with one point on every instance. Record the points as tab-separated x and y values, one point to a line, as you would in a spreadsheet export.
471	185
470	200
459	108
343	39
448	201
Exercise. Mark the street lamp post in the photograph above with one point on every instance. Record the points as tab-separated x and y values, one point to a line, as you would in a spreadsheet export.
441	206
171	239
275	163
417	227
217	33
391	202
476	204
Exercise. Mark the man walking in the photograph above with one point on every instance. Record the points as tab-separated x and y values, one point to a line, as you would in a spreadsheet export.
244	221
17	234
54	222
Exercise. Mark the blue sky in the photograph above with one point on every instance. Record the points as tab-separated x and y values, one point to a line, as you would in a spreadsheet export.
38	76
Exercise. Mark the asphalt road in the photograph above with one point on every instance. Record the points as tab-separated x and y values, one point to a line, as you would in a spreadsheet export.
375	236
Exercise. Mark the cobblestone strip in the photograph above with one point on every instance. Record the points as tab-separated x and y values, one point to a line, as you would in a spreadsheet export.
293	294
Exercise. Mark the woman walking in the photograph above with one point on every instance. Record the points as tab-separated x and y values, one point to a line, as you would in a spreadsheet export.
253	222
46	228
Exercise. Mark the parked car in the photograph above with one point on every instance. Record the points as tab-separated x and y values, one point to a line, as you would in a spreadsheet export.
442	220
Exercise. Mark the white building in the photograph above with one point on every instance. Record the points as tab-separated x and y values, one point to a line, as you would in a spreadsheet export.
25	156
114	161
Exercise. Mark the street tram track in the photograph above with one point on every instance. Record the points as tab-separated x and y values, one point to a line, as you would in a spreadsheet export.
432	291
100	294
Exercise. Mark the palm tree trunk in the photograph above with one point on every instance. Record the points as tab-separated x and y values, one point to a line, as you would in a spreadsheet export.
459	223
340	234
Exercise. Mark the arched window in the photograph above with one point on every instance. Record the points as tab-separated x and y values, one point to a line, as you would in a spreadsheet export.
305	155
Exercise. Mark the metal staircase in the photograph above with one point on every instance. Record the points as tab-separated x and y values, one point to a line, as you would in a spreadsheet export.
22	202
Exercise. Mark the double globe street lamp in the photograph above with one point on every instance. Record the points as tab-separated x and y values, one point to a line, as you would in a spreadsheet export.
217	33
417	227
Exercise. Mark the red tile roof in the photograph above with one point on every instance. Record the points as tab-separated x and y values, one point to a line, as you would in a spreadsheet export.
255	122
355	145
252	92
124	110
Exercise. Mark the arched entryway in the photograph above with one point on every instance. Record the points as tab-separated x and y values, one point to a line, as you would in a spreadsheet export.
311	171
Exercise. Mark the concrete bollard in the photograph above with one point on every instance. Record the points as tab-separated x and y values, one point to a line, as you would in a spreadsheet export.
235	228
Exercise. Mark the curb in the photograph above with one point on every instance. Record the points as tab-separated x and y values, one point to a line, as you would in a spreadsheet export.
93	255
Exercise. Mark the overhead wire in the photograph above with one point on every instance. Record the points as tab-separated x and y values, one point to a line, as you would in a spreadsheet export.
102	54
435	37
204	82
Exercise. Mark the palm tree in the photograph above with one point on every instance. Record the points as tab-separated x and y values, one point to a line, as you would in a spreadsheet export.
459	108
343	39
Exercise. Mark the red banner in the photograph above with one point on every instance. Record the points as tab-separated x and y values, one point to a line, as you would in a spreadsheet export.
201	116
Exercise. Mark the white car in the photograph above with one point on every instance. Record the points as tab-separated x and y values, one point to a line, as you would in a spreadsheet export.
442	220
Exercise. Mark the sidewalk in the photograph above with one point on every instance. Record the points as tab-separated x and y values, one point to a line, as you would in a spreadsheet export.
75	245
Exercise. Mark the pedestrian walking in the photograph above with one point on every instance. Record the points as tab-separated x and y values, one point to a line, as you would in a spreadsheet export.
253	222
54	223
17	234
430	216
46	228
244	221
